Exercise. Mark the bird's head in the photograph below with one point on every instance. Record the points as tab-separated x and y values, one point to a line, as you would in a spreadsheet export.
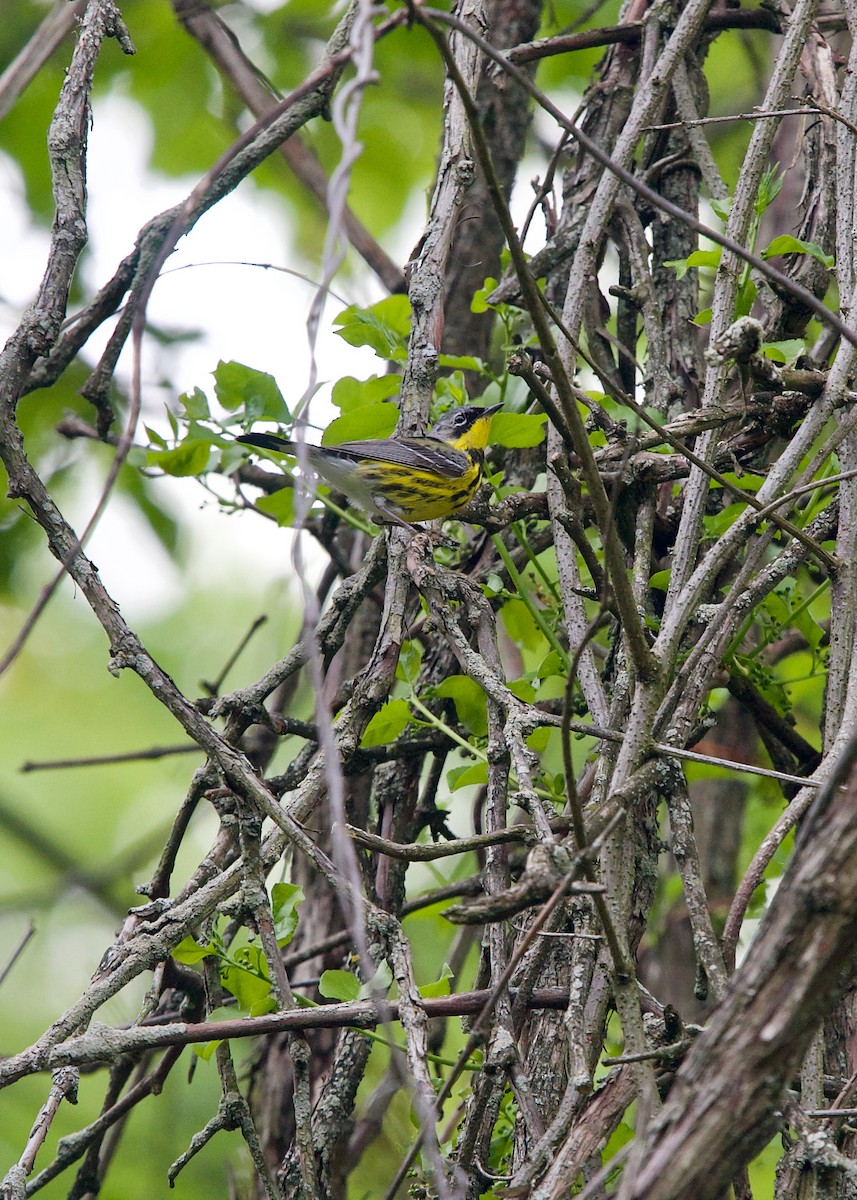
465	428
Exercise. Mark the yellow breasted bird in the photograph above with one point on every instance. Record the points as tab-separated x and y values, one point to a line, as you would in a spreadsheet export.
400	480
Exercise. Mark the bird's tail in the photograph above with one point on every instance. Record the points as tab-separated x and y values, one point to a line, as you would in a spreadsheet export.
267	441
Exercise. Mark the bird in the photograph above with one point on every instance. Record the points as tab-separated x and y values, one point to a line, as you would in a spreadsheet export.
402	480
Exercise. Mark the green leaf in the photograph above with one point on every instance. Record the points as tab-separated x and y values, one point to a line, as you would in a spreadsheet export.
704	258
410	661
551	687
189	952
518	430
190	457
384	327
520	625
204	1050
236	384
699	258
723	208
660	580
523	689
155	438
265	1004
388	723
246	977
748	481
551	664
451	390
285	898
349	393
720	522
373	421
379	982
479	303
462	362
538	739
493	584
280	505
339	985
783	352
769	188
703	317
459	777
195	405
746	298
786	244
440	987
469	701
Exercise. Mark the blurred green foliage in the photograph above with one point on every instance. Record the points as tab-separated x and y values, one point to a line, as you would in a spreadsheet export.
75	843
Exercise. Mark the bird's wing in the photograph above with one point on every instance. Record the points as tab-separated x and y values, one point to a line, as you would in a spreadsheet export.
421	454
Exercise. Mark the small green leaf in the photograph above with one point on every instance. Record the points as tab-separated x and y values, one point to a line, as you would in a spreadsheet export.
280	505
551	664
719	523
195	405
379	982
812	632
204	1050
451	390
265	1004
410	661
440	987
190	457
704	258
189	952
518	430
538	740
679	265
746	298
769	188
493	585
339	985
384	327
747	481
699	258
660	581
521	627
285	898
474	775
373	421
461	362
388	723
236	384
523	689
246	977
786	244
552	687
349	393
479	303
723	208
155	438
469	701
783	352
703	317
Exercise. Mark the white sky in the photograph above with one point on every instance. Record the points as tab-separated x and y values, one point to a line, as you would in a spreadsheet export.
244	313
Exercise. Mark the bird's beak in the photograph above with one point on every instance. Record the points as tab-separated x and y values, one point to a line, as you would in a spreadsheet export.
489	412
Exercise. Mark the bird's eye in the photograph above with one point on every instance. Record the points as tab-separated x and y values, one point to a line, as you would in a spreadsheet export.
460	420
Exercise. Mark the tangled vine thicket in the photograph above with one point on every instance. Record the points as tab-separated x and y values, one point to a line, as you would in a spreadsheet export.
676	523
